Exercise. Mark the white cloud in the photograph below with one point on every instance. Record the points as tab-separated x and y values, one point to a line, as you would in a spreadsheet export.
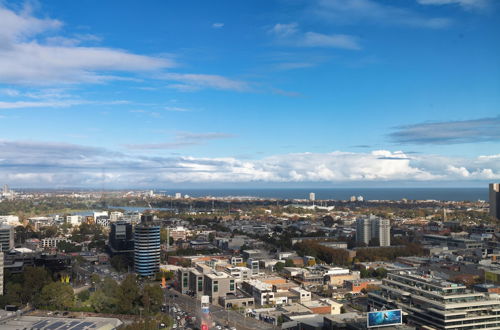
369	11
40	104
59	164
192	81
25	60
181	140
467	4
290	34
218	25
177	109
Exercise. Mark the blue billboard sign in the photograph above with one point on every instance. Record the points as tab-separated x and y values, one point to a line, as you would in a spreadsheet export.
384	318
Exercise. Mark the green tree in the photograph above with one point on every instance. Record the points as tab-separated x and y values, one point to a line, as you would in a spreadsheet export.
152	298
279	266
119	262
101	303
56	295
13	293
68	247
289	263
83	295
33	280
129	295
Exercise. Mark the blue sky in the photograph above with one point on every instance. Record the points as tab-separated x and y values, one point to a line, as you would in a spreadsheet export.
173	93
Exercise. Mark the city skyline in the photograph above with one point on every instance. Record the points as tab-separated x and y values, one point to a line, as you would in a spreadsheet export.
261	93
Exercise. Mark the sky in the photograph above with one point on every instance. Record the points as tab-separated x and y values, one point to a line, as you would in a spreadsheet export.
261	93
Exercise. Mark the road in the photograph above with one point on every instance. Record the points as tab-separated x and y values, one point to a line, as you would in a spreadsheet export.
218	314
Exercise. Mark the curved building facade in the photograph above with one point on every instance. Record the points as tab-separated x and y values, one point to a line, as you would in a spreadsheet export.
147	250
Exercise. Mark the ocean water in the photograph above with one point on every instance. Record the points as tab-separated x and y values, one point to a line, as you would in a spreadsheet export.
444	194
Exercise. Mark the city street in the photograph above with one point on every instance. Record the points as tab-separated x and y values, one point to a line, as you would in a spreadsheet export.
219	315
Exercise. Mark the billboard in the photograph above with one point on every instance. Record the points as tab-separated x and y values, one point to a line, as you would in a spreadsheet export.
384	318
205	304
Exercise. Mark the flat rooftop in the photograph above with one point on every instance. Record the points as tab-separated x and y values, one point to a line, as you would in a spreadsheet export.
60	323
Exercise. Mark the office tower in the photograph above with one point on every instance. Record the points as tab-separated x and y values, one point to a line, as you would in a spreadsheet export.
312	197
363	231
495	200
373	228
120	236
434	303
146	247
6	237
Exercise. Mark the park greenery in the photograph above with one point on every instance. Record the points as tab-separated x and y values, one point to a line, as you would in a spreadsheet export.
43	290
341	256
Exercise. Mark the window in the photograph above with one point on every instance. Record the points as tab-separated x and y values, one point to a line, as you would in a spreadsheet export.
184	281
216	286
231	285
200	284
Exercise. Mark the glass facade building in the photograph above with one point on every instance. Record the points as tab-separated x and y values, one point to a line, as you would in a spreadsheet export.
147	249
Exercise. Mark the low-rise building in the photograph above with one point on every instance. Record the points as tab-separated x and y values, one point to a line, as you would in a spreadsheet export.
433	302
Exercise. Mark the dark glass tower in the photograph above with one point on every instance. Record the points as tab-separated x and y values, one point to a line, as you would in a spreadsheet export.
146	247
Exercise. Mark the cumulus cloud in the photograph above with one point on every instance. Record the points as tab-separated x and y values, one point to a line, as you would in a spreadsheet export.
290	34
25	59
369	11
449	132
36	164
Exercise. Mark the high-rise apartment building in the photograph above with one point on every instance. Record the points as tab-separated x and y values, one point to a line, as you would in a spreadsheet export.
381	229
312	197
6	237
146	247
495	200
434	303
363	231
373	228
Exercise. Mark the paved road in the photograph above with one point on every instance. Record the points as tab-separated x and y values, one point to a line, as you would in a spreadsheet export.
219	314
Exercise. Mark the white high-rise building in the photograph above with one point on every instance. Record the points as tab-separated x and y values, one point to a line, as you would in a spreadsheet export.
312	197
381	229
115	216
178	195
363	231
373	227
74	220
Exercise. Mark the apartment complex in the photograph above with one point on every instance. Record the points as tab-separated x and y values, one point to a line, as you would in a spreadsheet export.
6	237
203	280
435	303
373	228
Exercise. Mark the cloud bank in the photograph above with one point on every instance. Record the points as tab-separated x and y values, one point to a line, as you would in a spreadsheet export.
36	164
450	132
